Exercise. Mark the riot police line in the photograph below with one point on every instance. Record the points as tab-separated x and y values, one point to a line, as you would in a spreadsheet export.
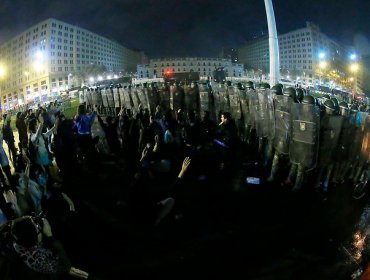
323	135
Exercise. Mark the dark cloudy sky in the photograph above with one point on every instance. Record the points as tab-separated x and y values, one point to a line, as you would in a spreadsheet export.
190	27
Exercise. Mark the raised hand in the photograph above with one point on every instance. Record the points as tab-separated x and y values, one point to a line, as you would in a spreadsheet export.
184	167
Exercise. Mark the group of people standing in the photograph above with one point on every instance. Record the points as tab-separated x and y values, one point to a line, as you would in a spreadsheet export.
153	131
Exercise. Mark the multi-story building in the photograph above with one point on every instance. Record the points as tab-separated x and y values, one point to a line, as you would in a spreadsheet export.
306	54
157	68
52	55
230	53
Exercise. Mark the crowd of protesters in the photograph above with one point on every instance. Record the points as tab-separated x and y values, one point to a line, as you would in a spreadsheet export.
156	149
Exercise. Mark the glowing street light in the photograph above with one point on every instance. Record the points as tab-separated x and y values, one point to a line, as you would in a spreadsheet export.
91	79
323	64
2	71
353	56
115	76
100	78
354	67
109	77
39	55
37	65
321	55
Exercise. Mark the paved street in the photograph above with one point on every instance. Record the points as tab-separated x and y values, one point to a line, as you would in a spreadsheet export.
226	227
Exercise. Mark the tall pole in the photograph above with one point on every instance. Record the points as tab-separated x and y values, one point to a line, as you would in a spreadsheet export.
273	44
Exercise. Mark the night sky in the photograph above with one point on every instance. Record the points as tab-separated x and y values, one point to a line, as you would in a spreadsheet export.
191	27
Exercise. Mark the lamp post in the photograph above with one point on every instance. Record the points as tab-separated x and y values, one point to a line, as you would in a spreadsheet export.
273	43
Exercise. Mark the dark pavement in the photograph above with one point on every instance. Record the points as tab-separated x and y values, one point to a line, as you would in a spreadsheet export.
227	228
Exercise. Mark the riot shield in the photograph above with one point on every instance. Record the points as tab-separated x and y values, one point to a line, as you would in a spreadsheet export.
104	97
126	98
304	141
264	114
110	98
244	105
204	98
165	98
176	98
223	98
330	129
121	97
117	102
282	124
99	100
216	104
234	99
192	99
152	96
87	96
94	97
81	96
135	99
357	120
142	98
365	147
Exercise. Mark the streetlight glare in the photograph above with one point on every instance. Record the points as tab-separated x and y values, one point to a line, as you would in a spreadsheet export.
100	78
91	79
2	71
39	55
353	56
321	55
354	67
109	77
38	66
323	64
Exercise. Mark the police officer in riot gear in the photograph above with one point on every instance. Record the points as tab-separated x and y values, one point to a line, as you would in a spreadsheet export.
330	129
262	105
304	141
300	95
342	164
282	128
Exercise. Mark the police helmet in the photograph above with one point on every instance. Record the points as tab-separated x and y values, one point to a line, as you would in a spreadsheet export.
280	85
335	101
308	100
354	108
291	92
343	105
263	86
329	104
249	85
277	89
